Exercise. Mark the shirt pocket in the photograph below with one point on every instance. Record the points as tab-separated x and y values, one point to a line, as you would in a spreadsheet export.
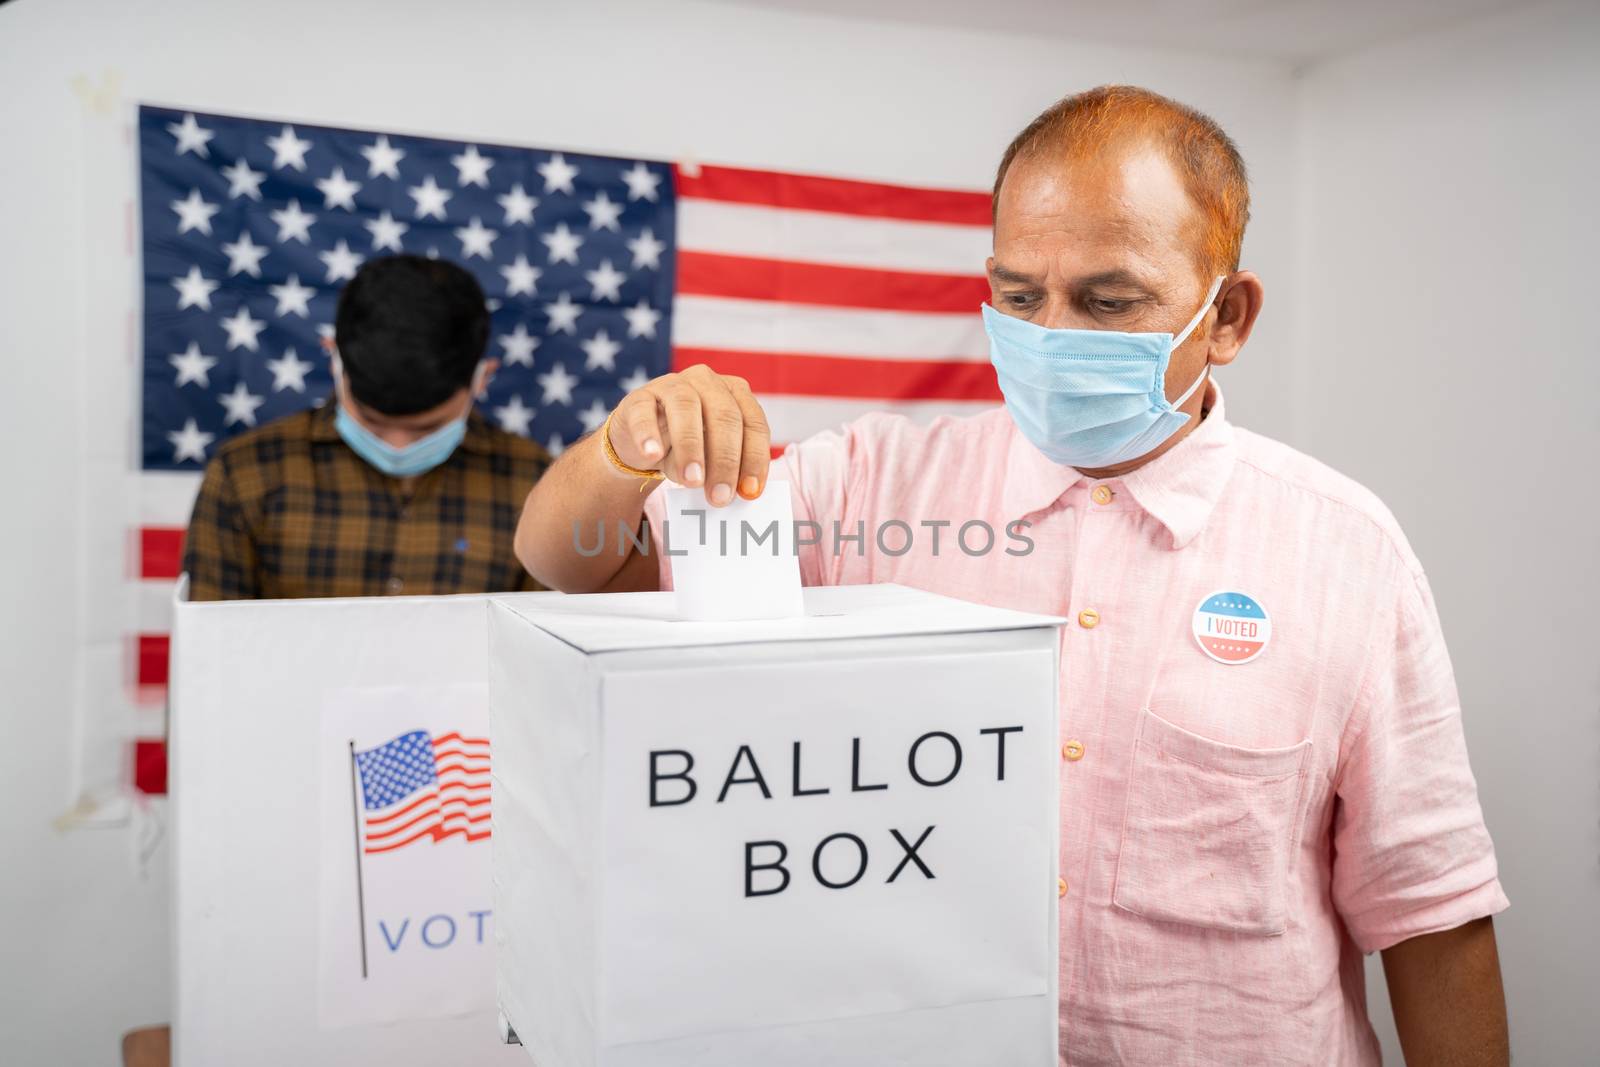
1209	830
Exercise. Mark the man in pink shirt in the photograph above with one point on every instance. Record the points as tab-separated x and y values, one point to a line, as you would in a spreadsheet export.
1264	774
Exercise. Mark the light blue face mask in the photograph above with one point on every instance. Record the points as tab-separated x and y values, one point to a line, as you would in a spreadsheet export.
408	461
1089	398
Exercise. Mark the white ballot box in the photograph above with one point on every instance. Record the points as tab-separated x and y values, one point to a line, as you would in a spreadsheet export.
829	839
331	877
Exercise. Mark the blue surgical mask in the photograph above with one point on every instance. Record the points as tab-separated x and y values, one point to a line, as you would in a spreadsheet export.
1089	398
408	461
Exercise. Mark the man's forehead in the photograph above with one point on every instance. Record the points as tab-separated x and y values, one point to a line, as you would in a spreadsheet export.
1130	196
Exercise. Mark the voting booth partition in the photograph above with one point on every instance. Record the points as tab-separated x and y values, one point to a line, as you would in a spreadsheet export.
331	887
830	838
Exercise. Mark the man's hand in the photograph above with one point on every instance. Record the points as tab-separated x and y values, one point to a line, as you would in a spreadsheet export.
1449	1006
699	428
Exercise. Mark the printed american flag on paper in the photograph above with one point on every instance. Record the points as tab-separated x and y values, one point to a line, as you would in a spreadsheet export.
420	787
833	297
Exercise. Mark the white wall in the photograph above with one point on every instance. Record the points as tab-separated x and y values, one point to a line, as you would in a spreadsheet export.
83	940
1448	355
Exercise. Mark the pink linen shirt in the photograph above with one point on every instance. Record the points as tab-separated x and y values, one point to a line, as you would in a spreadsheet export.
1234	835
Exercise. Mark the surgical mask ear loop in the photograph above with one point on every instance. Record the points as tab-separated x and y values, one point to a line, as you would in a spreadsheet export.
1216	286
480	381
1205	306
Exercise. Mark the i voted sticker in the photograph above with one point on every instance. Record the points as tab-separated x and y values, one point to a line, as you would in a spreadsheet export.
1231	627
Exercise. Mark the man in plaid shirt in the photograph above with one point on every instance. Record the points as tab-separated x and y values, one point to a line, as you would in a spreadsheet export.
396	485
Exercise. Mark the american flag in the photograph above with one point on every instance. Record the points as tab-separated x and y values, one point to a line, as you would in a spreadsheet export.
832	297
418	787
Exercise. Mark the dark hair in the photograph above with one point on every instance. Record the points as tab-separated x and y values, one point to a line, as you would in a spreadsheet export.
410	332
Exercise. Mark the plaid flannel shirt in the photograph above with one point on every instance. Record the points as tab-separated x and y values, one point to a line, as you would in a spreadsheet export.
288	510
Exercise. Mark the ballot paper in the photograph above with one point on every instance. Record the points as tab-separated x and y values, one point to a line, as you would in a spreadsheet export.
733	562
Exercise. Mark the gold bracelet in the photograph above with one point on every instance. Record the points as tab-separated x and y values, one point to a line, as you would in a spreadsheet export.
616	460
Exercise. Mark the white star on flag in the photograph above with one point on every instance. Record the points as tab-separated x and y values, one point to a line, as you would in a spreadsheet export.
194	290
563	244
386	232
472	168
646	250
476	239
606	282
556	385
242	181
594	416
289	372
244	256
563	315
521	276
600	352
637	380
557	174
515	416
193	366
641	182
288	150
294	223
383	159
192	137
642	320
555	446
241	405
519	346
603	213
341	262
190	443
242	329
293	297
430	198
518	205
338	191
194	213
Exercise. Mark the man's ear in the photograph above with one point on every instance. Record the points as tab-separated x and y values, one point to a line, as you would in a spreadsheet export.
1238	304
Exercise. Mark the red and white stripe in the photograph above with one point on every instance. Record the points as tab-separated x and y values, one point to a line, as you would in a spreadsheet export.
833	297
457	805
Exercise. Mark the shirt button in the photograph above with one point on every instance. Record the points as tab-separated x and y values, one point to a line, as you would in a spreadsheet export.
1072	750
1061	887
1101	494
1088	618
396	584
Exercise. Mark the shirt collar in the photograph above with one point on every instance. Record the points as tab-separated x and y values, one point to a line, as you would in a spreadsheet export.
1180	488
478	438
1033	480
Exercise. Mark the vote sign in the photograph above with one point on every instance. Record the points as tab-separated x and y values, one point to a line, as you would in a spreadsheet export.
827	839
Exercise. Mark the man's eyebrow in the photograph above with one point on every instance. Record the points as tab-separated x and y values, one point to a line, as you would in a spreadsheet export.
1016	277
1112	279
1109	279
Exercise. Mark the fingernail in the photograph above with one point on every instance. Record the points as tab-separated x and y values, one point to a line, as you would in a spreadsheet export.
652	448
721	493
692	474
749	488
